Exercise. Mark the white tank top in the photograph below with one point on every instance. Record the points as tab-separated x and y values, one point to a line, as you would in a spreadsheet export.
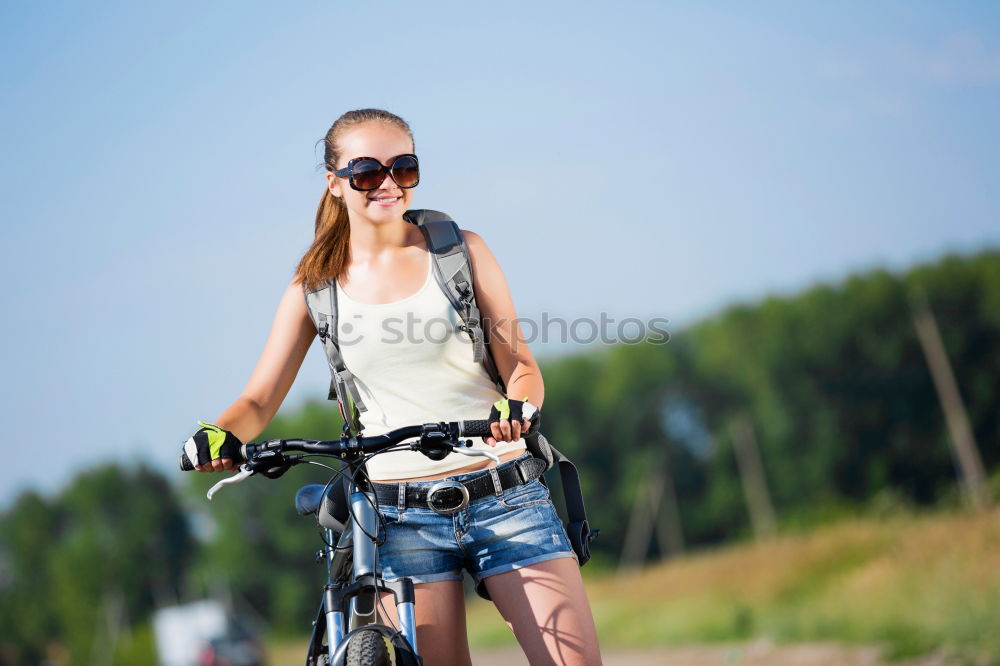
412	365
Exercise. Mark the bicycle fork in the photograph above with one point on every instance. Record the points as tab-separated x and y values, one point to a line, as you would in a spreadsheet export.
366	583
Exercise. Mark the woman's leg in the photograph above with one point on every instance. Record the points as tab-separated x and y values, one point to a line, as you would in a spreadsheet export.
546	607
440	615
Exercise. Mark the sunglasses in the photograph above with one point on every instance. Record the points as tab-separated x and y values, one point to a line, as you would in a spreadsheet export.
367	173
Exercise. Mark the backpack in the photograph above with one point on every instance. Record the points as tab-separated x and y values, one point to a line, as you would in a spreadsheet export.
453	272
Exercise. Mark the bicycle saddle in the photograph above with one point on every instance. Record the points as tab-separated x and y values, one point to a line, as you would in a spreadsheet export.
332	512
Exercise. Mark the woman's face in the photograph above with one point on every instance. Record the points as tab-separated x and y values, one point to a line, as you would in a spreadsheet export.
388	202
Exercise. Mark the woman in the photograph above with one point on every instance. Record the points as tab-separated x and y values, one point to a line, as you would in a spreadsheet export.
383	266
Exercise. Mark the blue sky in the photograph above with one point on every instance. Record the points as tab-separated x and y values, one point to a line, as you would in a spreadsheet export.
636	159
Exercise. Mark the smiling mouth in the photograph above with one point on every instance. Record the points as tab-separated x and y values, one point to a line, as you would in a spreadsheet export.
386	200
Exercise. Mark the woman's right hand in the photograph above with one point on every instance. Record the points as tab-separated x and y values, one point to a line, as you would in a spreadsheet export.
212	449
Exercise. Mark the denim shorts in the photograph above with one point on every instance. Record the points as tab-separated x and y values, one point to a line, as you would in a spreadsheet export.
492	535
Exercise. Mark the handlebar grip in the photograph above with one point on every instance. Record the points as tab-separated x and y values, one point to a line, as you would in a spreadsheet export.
474	428
186	465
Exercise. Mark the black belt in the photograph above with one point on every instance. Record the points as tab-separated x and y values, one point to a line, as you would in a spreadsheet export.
510	474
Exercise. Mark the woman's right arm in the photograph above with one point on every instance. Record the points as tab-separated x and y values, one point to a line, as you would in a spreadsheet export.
291	334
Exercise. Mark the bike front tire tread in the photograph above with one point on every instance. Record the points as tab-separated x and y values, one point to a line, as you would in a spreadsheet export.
368	648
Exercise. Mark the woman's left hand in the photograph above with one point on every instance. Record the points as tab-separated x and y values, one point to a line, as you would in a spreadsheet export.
509	419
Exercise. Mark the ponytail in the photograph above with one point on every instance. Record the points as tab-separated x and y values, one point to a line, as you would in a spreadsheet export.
327	256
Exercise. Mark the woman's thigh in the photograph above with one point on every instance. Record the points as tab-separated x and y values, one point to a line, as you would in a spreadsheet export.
546	607
440	616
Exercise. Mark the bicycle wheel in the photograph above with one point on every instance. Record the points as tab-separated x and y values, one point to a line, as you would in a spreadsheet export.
367	648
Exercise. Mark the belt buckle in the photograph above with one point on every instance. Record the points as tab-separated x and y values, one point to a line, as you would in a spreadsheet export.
447	497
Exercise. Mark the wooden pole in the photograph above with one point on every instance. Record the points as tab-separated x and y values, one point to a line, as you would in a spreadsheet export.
669	531
112	616
973	478
640	529
751	469
654	511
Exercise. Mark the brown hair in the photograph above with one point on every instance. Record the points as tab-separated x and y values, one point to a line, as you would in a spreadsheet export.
327	257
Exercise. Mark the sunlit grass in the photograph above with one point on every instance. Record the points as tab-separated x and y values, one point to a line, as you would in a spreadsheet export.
911	583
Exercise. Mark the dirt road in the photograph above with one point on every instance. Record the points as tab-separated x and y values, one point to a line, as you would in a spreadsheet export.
760	653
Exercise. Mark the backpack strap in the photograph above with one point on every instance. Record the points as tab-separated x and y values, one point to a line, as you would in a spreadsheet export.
453	271
322	306
577	527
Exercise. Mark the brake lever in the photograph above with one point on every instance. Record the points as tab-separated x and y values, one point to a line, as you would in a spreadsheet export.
244	473
476	452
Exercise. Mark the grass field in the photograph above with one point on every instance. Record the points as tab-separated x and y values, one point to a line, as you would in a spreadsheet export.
911	584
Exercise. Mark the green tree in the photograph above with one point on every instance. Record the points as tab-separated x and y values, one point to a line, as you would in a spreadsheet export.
85	569
27	536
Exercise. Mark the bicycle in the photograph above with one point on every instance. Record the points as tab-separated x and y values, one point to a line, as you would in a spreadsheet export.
355	637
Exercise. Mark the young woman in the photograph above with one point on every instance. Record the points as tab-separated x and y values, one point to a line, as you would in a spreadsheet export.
511	542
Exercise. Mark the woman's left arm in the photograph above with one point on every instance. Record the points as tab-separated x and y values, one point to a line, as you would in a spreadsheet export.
510	350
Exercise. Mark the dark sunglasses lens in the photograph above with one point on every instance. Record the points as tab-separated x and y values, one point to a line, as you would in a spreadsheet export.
368	174
405	171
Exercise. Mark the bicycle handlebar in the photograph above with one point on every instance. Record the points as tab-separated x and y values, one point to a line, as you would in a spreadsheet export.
434	438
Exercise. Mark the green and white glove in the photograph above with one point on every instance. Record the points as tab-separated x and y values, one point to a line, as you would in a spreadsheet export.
211	443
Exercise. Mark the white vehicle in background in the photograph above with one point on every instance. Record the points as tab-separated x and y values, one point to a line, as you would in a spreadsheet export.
203	633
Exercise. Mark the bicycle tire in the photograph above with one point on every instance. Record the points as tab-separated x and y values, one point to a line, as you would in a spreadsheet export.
367	648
